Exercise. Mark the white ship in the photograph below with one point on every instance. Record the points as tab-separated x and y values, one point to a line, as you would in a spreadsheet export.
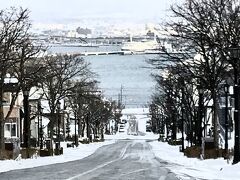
140	46
75	44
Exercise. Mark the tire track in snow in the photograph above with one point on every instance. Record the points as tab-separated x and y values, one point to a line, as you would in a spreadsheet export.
102	165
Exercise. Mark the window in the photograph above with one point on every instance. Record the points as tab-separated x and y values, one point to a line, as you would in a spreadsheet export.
13	130
6	98
10	130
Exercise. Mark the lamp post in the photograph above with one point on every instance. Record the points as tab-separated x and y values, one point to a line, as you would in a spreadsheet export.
182	109
26	117
200	113
58	116
76	137
163	124
116	110
157	120
11	128
41	127
226	90
88	128
38	108
235	54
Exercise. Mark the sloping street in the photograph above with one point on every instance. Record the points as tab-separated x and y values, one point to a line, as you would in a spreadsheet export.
126	159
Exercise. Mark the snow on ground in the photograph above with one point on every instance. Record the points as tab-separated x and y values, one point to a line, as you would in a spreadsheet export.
213	169
69	154
206	169
119	136
135	111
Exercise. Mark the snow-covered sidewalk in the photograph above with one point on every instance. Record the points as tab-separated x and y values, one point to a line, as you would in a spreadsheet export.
69	154
217	169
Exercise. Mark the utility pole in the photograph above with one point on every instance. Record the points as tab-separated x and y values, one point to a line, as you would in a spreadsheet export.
76	136
39	109
88	128
58	121
119	103
235	55
26	124
121	95
182	83
200	114
226	89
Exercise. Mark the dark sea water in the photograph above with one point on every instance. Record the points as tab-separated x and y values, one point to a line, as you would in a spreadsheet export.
131	72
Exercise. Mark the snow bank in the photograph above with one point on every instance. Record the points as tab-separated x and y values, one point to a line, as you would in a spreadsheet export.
69	154
206	169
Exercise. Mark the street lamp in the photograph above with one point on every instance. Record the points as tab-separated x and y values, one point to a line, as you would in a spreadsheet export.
154	113
38	108
200	111
26	117
41	127
163	124
182	109
157	119
226	90
76	137
11	129
58	116
235	54
88	128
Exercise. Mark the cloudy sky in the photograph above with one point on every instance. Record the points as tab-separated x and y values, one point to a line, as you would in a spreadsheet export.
48	11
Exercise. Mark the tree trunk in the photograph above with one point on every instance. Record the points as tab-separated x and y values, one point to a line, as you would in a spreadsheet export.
174	127
79	127
88	129
51	127
2	144
102	133
191	130
195	128
83	129
215	120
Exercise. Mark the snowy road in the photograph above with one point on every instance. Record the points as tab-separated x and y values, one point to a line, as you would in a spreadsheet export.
124	160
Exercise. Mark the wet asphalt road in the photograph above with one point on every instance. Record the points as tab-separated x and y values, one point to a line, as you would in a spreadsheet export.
124	160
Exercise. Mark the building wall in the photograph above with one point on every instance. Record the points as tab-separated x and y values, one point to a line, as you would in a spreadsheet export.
12	123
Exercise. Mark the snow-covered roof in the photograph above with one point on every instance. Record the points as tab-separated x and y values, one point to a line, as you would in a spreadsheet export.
135	111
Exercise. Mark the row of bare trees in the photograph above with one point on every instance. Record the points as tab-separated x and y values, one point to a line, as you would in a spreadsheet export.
56	77
91	110
202	32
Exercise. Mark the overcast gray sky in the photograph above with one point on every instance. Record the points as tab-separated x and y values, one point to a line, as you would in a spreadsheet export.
59	10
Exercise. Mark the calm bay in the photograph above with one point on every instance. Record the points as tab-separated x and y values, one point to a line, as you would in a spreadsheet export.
129	75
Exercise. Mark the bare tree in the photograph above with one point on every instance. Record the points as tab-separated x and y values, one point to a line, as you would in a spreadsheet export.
207	28
78	100
169	97
57	80
16	49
